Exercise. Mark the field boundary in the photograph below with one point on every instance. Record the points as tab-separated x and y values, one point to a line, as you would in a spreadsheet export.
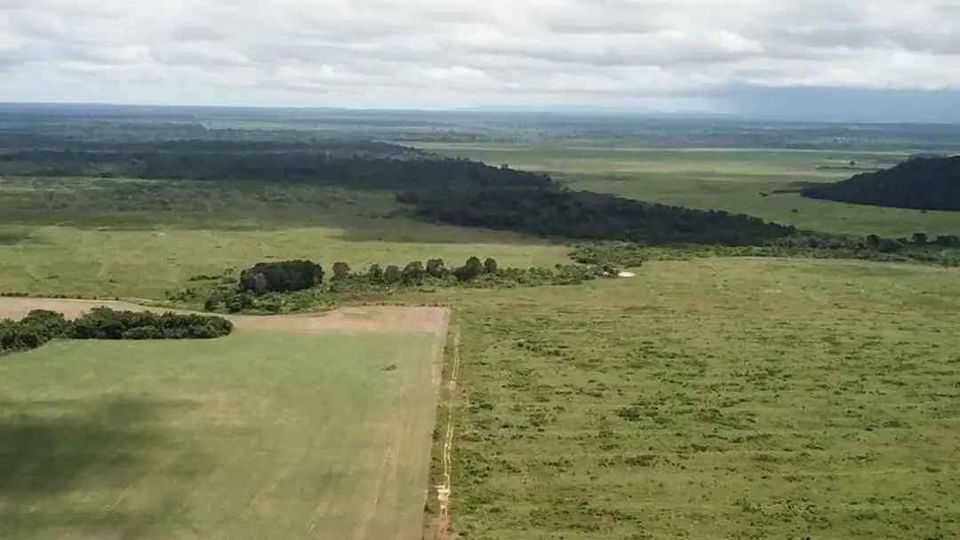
351	319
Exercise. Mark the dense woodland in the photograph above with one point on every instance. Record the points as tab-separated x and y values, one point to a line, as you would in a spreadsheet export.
548	209
456	191
920	183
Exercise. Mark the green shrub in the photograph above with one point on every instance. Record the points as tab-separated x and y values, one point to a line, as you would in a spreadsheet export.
435	268
341	270
392	275
105	323
470	270
412	273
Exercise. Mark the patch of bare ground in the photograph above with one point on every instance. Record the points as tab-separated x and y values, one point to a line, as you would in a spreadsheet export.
361	319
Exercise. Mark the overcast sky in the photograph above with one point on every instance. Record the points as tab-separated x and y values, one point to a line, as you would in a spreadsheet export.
737	56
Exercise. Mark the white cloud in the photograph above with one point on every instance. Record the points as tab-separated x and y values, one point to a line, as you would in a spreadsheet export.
459	52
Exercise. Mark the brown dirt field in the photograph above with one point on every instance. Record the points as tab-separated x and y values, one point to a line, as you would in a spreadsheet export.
361	319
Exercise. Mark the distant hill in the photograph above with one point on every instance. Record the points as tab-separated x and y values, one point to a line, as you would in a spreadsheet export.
921	183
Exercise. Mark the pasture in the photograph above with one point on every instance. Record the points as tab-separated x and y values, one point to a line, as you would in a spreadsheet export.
713	398
736	398
136	238
264	434
757	182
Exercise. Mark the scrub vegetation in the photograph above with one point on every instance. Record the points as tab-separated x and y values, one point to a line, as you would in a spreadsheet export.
734	398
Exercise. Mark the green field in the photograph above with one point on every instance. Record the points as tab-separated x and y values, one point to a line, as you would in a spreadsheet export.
713	398
136	238
737	180
258	435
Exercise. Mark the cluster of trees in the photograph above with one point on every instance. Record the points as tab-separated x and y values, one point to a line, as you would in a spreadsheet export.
927	183
283	276
40	326
474	272
415	272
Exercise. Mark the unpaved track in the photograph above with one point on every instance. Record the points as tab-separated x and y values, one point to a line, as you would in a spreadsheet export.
359	319
442	522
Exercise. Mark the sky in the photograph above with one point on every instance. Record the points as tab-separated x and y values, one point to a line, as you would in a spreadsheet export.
869	60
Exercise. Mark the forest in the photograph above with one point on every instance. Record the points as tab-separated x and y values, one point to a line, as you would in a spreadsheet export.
456	191
922	183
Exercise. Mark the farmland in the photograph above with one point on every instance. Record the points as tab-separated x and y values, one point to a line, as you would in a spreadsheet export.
266	433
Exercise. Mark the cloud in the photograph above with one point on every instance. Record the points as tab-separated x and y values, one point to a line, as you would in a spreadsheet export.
465	53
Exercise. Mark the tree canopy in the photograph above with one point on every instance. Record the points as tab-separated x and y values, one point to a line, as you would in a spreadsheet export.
920	183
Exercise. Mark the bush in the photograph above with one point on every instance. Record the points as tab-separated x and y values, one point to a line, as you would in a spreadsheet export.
341	270
143	332
470	270
392	275
46	324
435	268
412	273
239	302
105	323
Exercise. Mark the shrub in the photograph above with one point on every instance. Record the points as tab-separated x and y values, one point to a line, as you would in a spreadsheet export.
392	275
46	324
490	266
470	270
375	272
239	302
435	268
412	273
341	270
143	332
105	323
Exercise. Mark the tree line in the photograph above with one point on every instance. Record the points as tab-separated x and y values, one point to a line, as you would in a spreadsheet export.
40	326
273	286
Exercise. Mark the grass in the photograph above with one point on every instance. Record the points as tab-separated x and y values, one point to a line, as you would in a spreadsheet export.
736	180
713	398
102	238
257	435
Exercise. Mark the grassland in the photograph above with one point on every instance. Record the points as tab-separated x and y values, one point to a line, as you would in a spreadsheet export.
736	398
135	238
258	435
737	180
713	398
